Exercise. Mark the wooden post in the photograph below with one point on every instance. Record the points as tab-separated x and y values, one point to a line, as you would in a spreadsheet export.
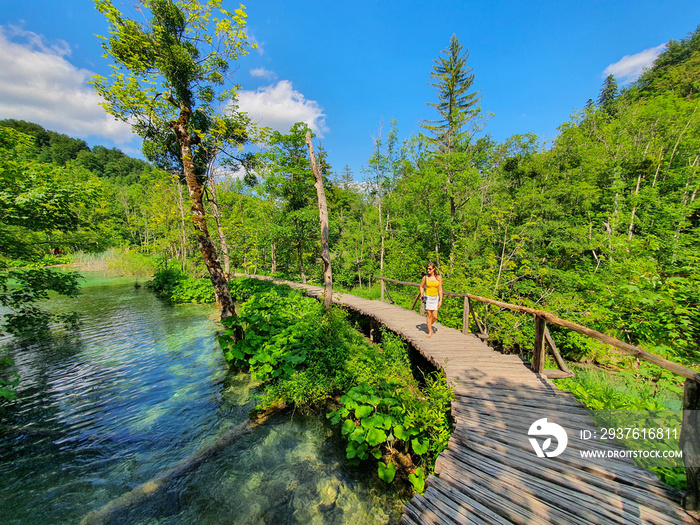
481	329
413	306
537	364
323	219
465	316
690	444
382	286
388	295
555	352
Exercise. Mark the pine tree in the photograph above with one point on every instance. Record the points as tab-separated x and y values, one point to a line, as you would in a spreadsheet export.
456	105
459	110
608	94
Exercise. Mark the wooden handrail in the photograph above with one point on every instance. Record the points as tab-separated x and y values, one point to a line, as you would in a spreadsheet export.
599	336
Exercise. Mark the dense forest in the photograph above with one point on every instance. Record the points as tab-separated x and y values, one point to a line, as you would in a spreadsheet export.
600	227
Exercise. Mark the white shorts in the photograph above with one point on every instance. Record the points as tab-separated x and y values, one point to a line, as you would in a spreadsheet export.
431	302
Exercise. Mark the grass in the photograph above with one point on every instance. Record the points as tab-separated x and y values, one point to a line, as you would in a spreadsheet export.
117	262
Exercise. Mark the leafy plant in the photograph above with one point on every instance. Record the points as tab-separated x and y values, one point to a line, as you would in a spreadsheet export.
175	286
165	281
417	479
384	418
387	471
305	355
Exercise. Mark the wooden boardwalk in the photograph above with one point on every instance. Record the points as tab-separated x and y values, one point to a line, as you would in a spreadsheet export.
490	472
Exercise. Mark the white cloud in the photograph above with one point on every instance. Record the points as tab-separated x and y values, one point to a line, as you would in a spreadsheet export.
39	85
630	67
279	106
261	72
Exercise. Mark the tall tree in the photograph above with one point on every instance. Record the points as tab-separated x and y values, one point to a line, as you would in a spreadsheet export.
323	220
290	180
458	109
456	105
168	83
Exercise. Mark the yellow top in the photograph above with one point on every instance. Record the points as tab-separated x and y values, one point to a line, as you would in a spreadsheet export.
431	288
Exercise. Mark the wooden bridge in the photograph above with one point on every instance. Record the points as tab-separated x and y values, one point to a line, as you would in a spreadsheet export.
490	473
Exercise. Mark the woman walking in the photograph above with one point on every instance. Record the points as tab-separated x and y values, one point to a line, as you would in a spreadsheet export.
431	292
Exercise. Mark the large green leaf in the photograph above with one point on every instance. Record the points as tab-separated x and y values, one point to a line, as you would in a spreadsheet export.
420	447
363	411
417	479
375	436
386	471
348	426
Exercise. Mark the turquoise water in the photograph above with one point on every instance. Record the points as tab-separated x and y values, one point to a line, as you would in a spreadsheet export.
142	386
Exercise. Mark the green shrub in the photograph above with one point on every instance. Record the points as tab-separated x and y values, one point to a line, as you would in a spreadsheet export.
164	282
193	290
175	286
307	356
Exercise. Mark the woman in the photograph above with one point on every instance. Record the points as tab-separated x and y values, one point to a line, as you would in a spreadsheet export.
431	292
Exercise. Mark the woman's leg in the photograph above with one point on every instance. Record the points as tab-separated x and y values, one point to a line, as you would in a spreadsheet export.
429	319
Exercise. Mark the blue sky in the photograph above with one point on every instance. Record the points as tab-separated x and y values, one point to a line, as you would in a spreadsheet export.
346	67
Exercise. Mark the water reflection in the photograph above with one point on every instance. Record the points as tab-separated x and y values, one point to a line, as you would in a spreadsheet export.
141	387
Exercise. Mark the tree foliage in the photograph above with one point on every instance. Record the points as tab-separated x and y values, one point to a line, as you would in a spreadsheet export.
39	202
168	80
456	105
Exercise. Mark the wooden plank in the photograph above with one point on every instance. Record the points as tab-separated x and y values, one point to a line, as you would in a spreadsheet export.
424	513
564	492
520	428
505	500
411	514
450	494
473	396
617	471
562	473
552	497
562	414
552	373
450	513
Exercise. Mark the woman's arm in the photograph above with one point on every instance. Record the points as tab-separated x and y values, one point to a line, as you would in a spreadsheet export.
440	290
422	286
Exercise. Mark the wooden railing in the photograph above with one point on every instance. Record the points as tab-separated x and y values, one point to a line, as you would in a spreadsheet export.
690	428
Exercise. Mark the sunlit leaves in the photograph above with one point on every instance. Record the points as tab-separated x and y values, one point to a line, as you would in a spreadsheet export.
175	60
